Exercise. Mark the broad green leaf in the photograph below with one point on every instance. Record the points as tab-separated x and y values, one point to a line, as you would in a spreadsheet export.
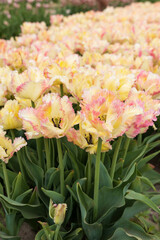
37	174
1	189
73	234
72	193
22	197
150	173
131	195
5	236
50	176
151	138
69	203
137	207
146	159
19	186
109	199
120	233
104	178
34	197
69	178
55	196
148	182
74	164
28	211
93	231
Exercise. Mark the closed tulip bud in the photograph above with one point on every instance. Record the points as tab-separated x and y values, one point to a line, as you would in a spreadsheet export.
57	212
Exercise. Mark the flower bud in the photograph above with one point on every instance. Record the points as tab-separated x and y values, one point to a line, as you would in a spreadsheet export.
57	212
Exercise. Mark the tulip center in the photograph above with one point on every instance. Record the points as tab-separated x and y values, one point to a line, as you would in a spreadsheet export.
89	138
102	117
56	122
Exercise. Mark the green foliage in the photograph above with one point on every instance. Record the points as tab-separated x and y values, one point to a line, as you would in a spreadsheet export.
119	201
11	18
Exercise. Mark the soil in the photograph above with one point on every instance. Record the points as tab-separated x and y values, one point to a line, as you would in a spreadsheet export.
26	233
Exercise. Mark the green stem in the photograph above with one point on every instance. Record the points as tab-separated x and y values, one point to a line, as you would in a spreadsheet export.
115	156
6	179
61	167
40	151
96	178
89	173
22	170
57	232
139	141
47	151
53	152
126	146
61	90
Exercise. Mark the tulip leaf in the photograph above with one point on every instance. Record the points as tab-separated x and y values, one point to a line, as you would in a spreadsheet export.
105	179
146	159
109	199
23	196
93	231
19	186
131	195
120	233
56	197
50	176
37	174
5	236
28	211
73	234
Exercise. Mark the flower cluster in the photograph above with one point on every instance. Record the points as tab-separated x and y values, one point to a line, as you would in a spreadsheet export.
88	76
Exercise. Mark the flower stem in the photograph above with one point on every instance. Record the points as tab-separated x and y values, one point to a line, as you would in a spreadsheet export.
126	146
47	151
139	141
115	156
57	232
40	151
6	179
96	179
89	173
61	167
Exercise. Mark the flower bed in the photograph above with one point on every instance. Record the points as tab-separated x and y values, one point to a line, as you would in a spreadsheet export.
76	98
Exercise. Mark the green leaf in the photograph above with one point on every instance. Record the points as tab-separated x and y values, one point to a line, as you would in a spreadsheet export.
151	138
131	195
146	159
28	211
1	189
120	233
69	203
104	178
37	174
148	182
136	208
73	234
5	236
73	190
69	178
23	196
19	186
34	197
56	197
51	175
93	231
109	199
